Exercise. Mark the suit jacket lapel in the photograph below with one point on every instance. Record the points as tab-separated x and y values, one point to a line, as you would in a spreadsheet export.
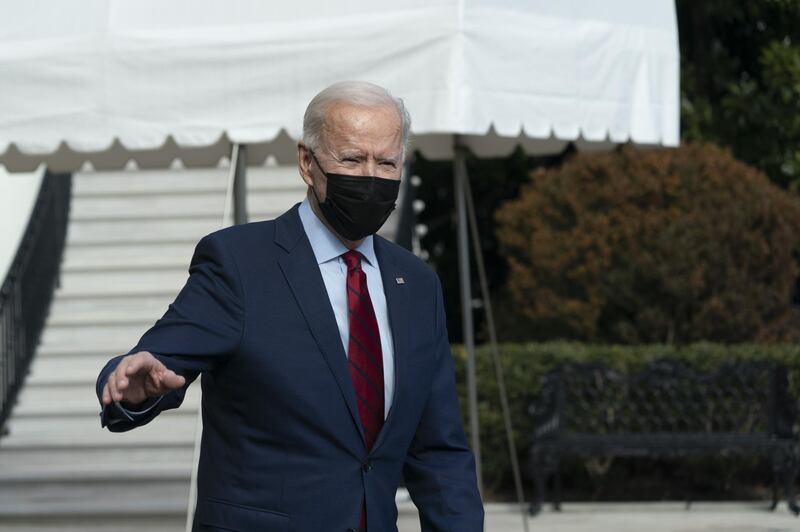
302	272
396	292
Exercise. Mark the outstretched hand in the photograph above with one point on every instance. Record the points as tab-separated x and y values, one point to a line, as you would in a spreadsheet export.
139	376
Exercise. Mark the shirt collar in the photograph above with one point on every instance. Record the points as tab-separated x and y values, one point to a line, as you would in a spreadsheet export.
324	243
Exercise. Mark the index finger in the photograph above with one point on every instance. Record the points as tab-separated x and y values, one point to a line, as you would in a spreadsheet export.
135	363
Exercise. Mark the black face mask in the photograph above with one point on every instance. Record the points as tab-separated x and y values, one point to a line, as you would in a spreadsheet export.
357	205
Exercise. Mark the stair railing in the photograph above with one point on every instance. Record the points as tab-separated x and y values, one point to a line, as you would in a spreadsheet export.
27	290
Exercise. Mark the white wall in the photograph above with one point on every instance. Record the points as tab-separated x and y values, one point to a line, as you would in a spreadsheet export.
17	195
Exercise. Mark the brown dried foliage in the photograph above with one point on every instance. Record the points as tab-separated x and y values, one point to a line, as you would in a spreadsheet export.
667	245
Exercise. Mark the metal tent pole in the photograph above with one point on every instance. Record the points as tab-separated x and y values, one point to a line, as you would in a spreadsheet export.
239	168
498	368
460	178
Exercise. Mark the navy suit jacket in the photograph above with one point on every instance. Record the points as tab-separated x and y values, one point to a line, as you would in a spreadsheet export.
282	444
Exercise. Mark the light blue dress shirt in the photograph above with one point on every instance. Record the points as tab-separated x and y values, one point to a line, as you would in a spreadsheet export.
328	250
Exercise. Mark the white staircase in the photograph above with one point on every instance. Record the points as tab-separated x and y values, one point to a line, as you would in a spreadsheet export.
130	238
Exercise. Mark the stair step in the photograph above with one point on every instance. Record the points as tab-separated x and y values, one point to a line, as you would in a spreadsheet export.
84	348
82	334
15	462
182	182
153	229
127	256
76	376
77	400
171	427
107	310
86	474
209	205
122	281
81	296
47	373
102	497
139	231
170	522
49	350
113	316
67	371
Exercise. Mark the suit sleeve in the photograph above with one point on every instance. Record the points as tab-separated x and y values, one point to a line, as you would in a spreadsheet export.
201	328
439	469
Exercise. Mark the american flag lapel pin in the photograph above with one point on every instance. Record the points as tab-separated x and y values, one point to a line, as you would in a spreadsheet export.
400	280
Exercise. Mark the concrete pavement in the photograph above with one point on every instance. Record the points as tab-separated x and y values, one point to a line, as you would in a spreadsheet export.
633	517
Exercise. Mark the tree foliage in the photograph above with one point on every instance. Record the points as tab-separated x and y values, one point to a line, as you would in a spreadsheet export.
636	246
740	80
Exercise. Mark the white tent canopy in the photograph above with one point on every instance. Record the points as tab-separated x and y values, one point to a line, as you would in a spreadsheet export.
107	81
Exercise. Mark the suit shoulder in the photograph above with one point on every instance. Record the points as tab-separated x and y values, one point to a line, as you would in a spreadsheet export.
252	236
234	233
239	239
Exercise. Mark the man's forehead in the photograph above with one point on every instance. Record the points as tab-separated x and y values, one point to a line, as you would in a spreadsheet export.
344	114
350	125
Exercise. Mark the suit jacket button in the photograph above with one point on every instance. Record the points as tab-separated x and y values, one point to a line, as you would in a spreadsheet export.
351	530
367	467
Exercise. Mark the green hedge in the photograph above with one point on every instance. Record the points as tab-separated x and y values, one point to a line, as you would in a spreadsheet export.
524	366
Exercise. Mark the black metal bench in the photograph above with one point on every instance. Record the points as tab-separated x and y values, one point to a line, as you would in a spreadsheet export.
668	409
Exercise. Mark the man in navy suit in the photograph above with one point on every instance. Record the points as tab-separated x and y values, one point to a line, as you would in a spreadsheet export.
327	373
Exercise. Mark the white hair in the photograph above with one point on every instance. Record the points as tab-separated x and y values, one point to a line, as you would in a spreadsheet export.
356	92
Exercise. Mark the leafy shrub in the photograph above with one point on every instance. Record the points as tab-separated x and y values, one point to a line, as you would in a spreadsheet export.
643	246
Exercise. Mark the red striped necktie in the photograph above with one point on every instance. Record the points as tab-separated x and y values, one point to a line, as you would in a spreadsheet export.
364	355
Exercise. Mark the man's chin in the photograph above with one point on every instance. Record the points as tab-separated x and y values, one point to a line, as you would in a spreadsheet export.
349	244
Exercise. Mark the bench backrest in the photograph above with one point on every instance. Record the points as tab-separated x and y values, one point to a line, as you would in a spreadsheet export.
666	397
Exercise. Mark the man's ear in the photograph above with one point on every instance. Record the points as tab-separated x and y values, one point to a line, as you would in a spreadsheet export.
304	163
